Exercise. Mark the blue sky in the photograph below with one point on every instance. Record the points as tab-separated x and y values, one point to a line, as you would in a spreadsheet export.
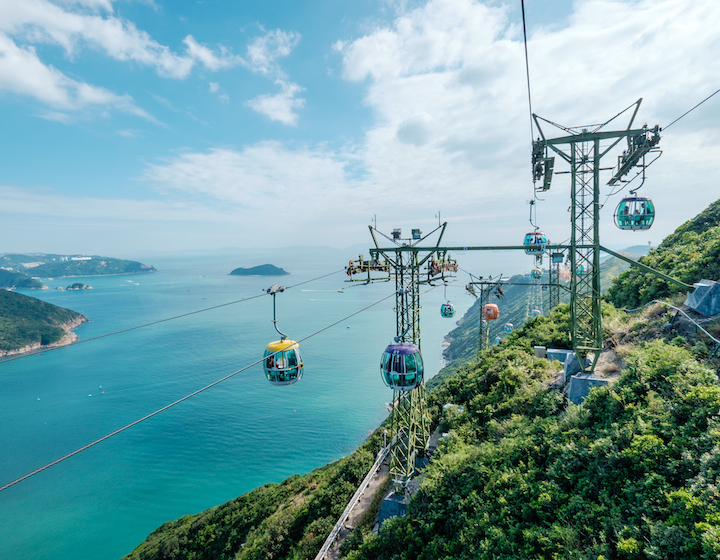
136	125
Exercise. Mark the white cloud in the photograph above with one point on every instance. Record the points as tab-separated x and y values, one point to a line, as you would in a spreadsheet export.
262	58
263	52
211	60
96	4
446	84
279	107
215	88
22	72
253	177
86	24
451	122
41	21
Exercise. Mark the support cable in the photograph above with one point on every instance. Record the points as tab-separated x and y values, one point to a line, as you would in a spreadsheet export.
186	397
527	69
696	106
43	350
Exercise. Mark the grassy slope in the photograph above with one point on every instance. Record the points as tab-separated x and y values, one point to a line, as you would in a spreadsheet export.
25	320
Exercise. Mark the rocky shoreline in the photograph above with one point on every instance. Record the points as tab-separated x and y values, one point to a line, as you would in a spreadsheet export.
68	338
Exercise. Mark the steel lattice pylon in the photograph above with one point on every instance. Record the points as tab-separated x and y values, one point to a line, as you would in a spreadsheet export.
585	248
583	153
410	426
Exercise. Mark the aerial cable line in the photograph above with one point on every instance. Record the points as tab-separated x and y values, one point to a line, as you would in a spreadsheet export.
527	69
43	350
186	397
689	111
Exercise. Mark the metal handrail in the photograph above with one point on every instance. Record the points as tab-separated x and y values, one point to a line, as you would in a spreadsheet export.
353	502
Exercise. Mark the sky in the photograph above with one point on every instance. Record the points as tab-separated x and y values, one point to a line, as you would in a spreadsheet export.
194	125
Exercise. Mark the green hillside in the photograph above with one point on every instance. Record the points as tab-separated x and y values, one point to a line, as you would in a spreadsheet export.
613	267
632	473
25	320
9	279
689	254
59	266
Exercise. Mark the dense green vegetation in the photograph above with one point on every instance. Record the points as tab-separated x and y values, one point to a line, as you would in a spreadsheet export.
632	473
25	320
689	254
262	270
9	279
59	266
287	520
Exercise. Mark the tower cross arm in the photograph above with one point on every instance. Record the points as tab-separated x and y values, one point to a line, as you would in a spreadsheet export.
592	136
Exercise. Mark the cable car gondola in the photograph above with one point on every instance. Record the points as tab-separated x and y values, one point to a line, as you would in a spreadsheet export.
497	340
447	310
491	311
536	313
508	327
536	273
635	213
283	364
402	366
535	242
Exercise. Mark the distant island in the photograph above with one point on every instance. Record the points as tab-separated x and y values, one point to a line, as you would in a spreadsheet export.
79	286
262	270
23	271
28	324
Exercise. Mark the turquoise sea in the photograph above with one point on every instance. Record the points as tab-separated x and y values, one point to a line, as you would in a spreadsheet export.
236	436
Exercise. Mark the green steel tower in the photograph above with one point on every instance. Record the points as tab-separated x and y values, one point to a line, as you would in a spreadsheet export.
411	266
583	148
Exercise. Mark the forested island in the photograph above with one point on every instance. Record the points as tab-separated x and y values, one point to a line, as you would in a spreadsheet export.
522	473
79	286
21	271
28	324
262	270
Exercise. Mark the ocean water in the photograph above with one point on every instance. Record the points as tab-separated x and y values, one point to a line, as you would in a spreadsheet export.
224	442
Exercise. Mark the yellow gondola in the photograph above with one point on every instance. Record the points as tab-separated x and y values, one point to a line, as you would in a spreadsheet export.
282	362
